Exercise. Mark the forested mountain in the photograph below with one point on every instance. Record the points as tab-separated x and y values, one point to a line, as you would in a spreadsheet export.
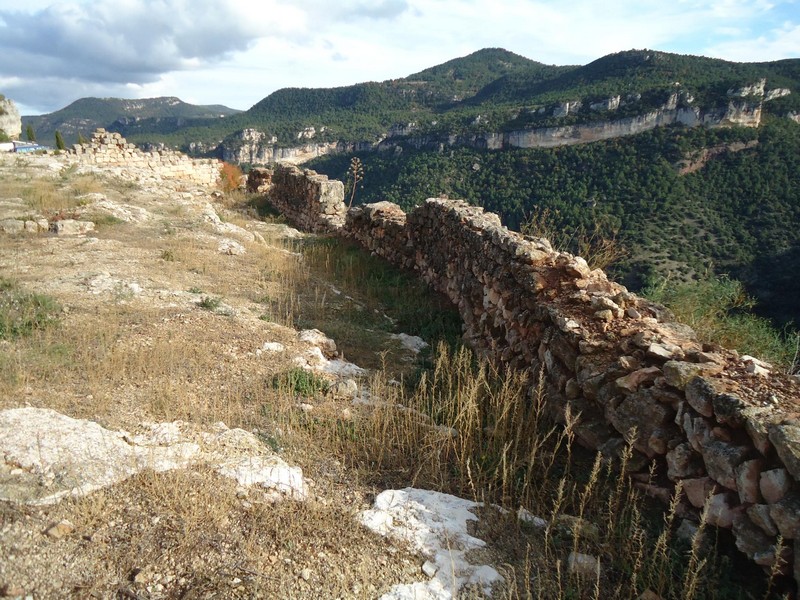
87	114
696	195
676	214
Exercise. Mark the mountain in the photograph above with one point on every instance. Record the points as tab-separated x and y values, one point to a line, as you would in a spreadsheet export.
87	114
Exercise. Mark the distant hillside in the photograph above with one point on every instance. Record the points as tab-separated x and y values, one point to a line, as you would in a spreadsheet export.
85	115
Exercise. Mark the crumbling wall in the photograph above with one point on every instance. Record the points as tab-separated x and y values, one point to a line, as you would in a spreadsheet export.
724	425
311	201
112	150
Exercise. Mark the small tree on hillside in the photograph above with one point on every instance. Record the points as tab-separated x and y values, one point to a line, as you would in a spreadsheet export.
30	133
82	139
59	141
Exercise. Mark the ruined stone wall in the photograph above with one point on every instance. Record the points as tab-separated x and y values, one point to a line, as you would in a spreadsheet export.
722	424
311	201
112	150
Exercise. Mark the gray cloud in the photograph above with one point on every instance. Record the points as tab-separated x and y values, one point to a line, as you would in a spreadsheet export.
118	42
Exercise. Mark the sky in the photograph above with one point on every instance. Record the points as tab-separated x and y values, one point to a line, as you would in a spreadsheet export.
236	52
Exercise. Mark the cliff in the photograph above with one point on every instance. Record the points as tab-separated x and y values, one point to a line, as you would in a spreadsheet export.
10	121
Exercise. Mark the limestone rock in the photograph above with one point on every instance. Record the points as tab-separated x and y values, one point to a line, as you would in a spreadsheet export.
774	485
759	514
583	565
786	439
10	120
682	462
721	460
786	515
722	510
699	489
60	529
747	480
678	373
71	227
700	393
12	226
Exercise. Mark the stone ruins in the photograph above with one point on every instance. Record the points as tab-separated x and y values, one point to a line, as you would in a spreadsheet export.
726	426
112	150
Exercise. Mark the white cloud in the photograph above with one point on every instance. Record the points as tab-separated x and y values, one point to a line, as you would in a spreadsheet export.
237	51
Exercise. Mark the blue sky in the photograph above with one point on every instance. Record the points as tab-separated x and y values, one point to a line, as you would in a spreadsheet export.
236	52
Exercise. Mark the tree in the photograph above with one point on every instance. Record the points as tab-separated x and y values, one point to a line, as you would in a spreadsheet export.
30	133
59	141
82	139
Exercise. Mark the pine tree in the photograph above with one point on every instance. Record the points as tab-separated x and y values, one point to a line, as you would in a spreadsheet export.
59	141
29	133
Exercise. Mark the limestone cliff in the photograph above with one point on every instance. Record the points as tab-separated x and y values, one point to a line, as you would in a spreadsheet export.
10	120
252	146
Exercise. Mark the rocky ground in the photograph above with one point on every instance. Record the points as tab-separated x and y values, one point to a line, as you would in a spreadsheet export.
150	447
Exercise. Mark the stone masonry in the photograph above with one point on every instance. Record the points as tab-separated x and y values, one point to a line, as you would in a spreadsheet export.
724	425
112	150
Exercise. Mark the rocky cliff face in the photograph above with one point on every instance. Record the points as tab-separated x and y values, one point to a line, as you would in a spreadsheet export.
742	107
256	147
10	120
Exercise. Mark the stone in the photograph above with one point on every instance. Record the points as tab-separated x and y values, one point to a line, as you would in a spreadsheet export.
649	595
721	460
643	413
786	514
750	539
759	515
305	574
12	226
632	381
756	423
786	439
774	485
583	565
747	480
678	373
683	462
346	388
700	393
687	531
729	409
316	338
60	529
71	227
699	489
722	510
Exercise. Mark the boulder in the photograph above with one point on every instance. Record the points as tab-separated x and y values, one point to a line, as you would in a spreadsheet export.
786	439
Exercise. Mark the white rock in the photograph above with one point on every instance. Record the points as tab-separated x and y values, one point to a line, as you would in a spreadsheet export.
435	525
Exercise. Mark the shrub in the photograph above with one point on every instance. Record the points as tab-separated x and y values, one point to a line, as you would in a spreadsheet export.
301	382
230	177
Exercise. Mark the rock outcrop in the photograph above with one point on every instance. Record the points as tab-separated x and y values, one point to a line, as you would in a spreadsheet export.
10	120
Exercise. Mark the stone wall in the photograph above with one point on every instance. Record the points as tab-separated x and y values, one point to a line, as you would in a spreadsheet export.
724	425
311	201
112	150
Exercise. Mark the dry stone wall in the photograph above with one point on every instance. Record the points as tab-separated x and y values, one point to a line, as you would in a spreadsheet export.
311	201
112	150
724	425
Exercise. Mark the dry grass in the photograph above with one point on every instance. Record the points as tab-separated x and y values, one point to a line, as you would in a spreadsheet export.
460	427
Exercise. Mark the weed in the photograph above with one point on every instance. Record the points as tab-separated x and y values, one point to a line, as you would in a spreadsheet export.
169	256
191	290
300	382
209	303
22	313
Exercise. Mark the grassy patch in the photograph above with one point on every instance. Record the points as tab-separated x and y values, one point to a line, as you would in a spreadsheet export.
300	382
718	309
22	313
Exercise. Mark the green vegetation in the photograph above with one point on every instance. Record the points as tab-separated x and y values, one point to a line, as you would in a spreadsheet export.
300	382
60	141
718	308
30	134
22	313
209	303
737	215
488	90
